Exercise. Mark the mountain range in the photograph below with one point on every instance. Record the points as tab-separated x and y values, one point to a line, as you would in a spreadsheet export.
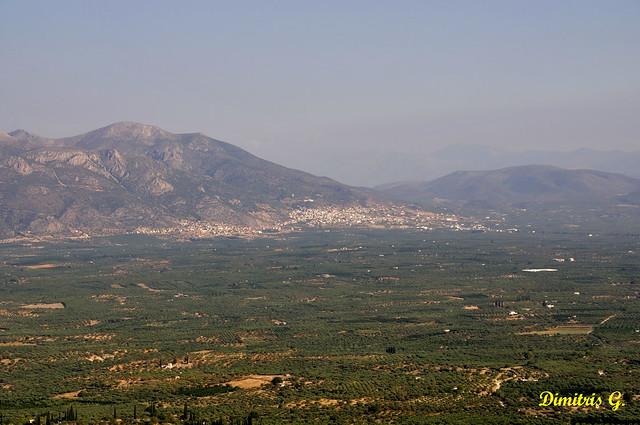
378	165
127	174
527	186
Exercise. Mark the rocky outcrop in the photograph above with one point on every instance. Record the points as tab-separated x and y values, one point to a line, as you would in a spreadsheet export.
159	186
19	165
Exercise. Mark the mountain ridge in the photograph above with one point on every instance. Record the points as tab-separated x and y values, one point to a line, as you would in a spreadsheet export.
128	174
387	163
528	185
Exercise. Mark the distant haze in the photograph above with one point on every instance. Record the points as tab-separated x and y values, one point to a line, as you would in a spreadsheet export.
364	92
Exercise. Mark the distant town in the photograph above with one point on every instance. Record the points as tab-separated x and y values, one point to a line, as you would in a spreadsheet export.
380	216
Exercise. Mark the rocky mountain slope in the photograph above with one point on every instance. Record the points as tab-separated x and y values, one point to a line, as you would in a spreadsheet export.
127	175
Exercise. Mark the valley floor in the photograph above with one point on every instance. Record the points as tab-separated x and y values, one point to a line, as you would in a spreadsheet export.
349	326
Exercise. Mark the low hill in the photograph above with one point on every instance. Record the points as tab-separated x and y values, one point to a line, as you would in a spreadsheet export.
524	186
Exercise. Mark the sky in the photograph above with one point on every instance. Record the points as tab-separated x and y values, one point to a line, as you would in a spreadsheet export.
305	82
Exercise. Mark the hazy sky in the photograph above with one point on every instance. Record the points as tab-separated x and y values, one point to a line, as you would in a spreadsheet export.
282	78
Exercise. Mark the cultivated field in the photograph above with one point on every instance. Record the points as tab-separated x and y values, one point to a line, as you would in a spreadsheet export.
320	327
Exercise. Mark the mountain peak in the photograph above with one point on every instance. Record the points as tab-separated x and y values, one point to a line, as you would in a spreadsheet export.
26	137
22	134
132	130
124	134
19	133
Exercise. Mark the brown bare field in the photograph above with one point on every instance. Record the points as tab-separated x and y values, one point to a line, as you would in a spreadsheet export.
95	337
67	396
15	344
43	306
110	297
253	381
99	358
148	288
42	266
